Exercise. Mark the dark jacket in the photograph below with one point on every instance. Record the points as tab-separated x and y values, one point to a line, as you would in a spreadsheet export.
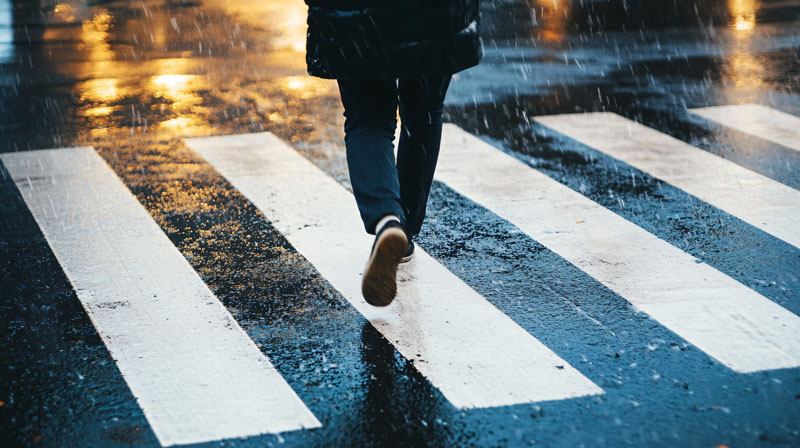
387	39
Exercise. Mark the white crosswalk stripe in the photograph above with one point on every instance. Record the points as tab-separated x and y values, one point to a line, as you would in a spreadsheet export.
758	200
757	120
732	323
195	373
472	352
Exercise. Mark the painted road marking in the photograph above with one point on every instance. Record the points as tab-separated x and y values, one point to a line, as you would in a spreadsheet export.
472	352
732	323
757	120
195	373
758	200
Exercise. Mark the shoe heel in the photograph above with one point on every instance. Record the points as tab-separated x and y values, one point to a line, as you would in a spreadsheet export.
379	285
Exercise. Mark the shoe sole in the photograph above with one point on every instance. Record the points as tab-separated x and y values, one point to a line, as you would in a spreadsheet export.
379	285
407	258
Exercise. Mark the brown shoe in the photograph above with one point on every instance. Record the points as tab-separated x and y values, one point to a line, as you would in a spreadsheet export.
409	255
379	285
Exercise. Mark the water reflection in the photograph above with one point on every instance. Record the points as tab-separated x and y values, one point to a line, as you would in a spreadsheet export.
177	88
286	19
180	91
65	13
95	36
745	71
98	93
101	90
398	396
97	111
144	65
171	85
554	17
743	14
305	87
176	68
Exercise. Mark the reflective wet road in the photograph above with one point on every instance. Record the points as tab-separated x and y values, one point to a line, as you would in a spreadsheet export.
135	80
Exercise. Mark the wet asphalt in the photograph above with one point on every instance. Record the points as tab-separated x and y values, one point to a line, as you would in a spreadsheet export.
133	79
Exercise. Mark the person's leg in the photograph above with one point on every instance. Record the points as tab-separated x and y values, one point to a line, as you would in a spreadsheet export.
370	122
421	106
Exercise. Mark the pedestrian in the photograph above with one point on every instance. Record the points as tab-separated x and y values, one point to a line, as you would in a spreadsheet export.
384	54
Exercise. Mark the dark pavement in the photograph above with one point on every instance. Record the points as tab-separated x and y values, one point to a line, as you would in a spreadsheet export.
132	79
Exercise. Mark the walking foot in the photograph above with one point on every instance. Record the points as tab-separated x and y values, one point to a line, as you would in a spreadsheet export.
379	285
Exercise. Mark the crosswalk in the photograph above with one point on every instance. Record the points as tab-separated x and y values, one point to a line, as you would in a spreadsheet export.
173	341
169	334
734	324
752	197
497	362
757	120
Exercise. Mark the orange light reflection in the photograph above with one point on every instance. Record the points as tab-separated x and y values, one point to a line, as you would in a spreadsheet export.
553	17
98	111
65	12
181	90
102	90
131	76
95	37
305	87
743	13
745	71
287	25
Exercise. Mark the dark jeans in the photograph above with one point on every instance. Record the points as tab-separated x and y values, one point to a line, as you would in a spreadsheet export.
382	187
